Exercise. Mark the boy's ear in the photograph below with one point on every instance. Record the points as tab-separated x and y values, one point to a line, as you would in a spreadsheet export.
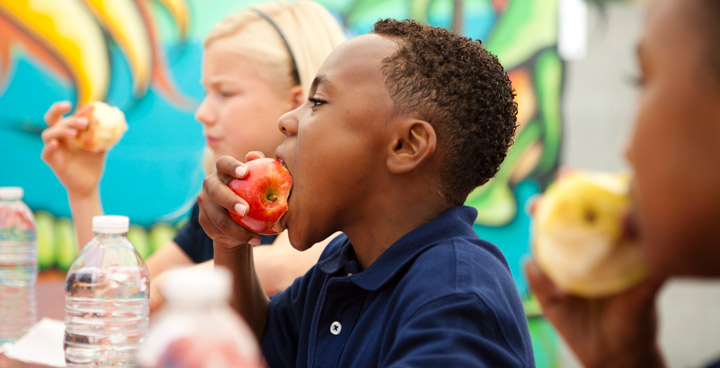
297	96
414	143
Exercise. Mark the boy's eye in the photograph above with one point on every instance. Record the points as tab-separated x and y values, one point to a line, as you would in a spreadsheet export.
315	102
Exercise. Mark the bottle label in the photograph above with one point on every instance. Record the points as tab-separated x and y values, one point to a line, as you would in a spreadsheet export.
17	235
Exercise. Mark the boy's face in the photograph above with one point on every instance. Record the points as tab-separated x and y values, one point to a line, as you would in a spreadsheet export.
675	149
335	141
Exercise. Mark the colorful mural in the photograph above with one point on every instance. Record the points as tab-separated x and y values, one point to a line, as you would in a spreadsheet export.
145	55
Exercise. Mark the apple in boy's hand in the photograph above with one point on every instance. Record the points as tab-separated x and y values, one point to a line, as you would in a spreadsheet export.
266	188
581	240
106	125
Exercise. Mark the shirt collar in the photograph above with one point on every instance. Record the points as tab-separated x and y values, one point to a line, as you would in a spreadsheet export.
453	223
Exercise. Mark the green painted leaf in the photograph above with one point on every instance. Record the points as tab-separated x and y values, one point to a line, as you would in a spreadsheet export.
524	28
138	236
65	243
45	226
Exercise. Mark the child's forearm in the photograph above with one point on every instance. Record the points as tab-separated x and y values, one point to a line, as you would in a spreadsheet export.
248	298
83	208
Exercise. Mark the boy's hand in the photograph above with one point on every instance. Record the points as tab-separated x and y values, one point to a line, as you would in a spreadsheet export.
216	198
616	331
78	170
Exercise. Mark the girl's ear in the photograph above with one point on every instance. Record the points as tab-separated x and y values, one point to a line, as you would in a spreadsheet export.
414	143
297	96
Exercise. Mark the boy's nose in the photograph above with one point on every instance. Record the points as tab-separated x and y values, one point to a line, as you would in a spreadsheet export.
204	113
288	123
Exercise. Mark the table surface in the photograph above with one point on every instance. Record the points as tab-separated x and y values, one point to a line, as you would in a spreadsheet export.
50	292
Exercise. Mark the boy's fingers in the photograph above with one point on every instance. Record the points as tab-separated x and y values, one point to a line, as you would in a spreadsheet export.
229	167
55	111
217	223
218	192
542	287
254	155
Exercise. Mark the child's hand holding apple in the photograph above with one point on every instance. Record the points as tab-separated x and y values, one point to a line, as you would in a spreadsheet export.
75	145
253	195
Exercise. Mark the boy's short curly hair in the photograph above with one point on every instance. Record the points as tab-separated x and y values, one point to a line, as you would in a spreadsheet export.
461	89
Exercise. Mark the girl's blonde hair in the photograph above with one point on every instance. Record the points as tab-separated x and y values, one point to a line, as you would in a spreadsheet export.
310	30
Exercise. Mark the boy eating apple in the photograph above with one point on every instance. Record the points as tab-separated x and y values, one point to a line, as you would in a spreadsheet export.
400	125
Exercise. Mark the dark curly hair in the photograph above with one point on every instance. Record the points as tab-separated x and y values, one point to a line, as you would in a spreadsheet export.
461	89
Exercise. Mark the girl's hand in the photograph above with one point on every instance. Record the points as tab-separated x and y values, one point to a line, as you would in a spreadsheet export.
78	170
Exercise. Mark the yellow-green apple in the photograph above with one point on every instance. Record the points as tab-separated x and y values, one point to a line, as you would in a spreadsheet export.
266	188
581	241
106	125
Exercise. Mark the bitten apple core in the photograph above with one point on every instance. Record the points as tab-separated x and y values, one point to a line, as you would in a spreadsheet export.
106	125
580	240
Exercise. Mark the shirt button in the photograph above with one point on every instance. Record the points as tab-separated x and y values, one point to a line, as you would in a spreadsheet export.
335	328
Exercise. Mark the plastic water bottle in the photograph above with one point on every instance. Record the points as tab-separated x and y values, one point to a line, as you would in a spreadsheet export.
197	328
107	294
18	265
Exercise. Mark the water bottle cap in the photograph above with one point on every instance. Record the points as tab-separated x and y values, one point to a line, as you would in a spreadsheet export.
11	193
196	286
110	224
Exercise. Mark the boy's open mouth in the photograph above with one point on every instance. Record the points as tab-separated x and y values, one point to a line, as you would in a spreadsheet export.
284	218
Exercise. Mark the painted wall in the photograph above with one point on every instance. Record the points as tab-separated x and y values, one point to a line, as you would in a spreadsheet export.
145	57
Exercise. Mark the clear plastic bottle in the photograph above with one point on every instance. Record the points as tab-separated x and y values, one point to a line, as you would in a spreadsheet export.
107	294
197	328
18	265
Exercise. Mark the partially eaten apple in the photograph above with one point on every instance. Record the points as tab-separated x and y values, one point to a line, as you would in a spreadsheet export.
266	188
580	238
106	125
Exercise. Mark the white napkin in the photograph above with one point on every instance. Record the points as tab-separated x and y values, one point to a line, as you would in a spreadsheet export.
42	344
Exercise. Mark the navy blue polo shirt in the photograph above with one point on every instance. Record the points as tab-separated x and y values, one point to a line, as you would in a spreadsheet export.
438	296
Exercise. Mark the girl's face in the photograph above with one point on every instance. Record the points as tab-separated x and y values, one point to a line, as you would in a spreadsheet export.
240	110
675	147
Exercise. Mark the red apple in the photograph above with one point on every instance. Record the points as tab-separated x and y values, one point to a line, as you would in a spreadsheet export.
266	188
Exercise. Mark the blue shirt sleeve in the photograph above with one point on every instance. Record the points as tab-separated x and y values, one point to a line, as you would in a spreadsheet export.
458	330
192	239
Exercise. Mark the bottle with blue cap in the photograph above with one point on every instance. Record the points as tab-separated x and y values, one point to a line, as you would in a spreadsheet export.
107	292
18	265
